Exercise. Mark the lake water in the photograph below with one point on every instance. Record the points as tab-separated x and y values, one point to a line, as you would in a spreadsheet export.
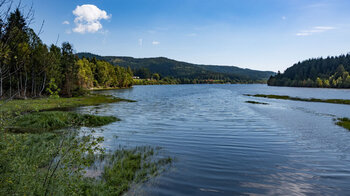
224	146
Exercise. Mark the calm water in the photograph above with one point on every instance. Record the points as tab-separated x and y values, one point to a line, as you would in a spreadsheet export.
224	146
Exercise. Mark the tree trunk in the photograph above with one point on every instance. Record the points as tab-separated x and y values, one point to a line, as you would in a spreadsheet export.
25	86
21	84
43	87
1	92
10	85
33	85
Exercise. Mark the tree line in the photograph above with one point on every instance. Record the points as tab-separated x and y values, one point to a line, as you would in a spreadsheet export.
30	68
331	72
184	72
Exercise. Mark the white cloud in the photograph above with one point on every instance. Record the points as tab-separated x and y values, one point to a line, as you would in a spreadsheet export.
88	18
66	22
155	42
317	29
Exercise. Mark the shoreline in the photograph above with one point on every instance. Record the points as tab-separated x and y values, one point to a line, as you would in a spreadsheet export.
51	145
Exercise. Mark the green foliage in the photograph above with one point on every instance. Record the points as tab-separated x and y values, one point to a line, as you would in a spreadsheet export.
45	164
53	120
170	80
332	72
29	68
55	163
53	89
185	73
96	74
156	76
34	105
155	82
85	74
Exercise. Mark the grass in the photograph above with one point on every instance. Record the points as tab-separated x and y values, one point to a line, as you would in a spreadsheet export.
344	122
25	160
255	102
37	155
285	97
54	120
32	105
32	115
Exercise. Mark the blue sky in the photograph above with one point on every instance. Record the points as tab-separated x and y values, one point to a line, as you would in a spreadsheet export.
256	34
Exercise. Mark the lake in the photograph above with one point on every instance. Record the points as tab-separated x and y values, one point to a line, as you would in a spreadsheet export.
224	146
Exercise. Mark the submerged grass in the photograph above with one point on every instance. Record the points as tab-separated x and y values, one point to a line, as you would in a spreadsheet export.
255	102
285	97
53	120
28	159
344	122
131	166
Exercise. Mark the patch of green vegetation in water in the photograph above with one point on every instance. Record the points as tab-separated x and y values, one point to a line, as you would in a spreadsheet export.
54	120
344	122
335	101
32	105
54	164
255	102
131	166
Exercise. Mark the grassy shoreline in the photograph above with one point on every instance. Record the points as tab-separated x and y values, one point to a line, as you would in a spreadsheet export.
36	160
109	88
46	104
39	122
285	97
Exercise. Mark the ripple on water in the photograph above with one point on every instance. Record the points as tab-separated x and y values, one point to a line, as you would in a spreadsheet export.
224	146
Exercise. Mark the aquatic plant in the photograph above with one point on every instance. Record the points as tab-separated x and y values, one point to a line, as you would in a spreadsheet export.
285	97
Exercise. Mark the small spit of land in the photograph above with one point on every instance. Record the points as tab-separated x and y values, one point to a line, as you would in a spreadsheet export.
43	153
343	122
256	102
335	101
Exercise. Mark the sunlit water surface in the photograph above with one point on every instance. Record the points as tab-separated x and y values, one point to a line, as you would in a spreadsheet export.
224	146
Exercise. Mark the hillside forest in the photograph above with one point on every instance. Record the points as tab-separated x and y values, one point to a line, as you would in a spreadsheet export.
330	72
162	70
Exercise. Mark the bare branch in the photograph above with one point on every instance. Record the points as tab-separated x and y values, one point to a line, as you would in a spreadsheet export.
58	37
41	28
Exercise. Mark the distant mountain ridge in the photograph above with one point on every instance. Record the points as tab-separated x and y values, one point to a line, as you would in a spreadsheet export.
177	69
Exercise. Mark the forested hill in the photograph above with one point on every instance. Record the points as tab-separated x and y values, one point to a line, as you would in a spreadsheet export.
330	72
182	70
